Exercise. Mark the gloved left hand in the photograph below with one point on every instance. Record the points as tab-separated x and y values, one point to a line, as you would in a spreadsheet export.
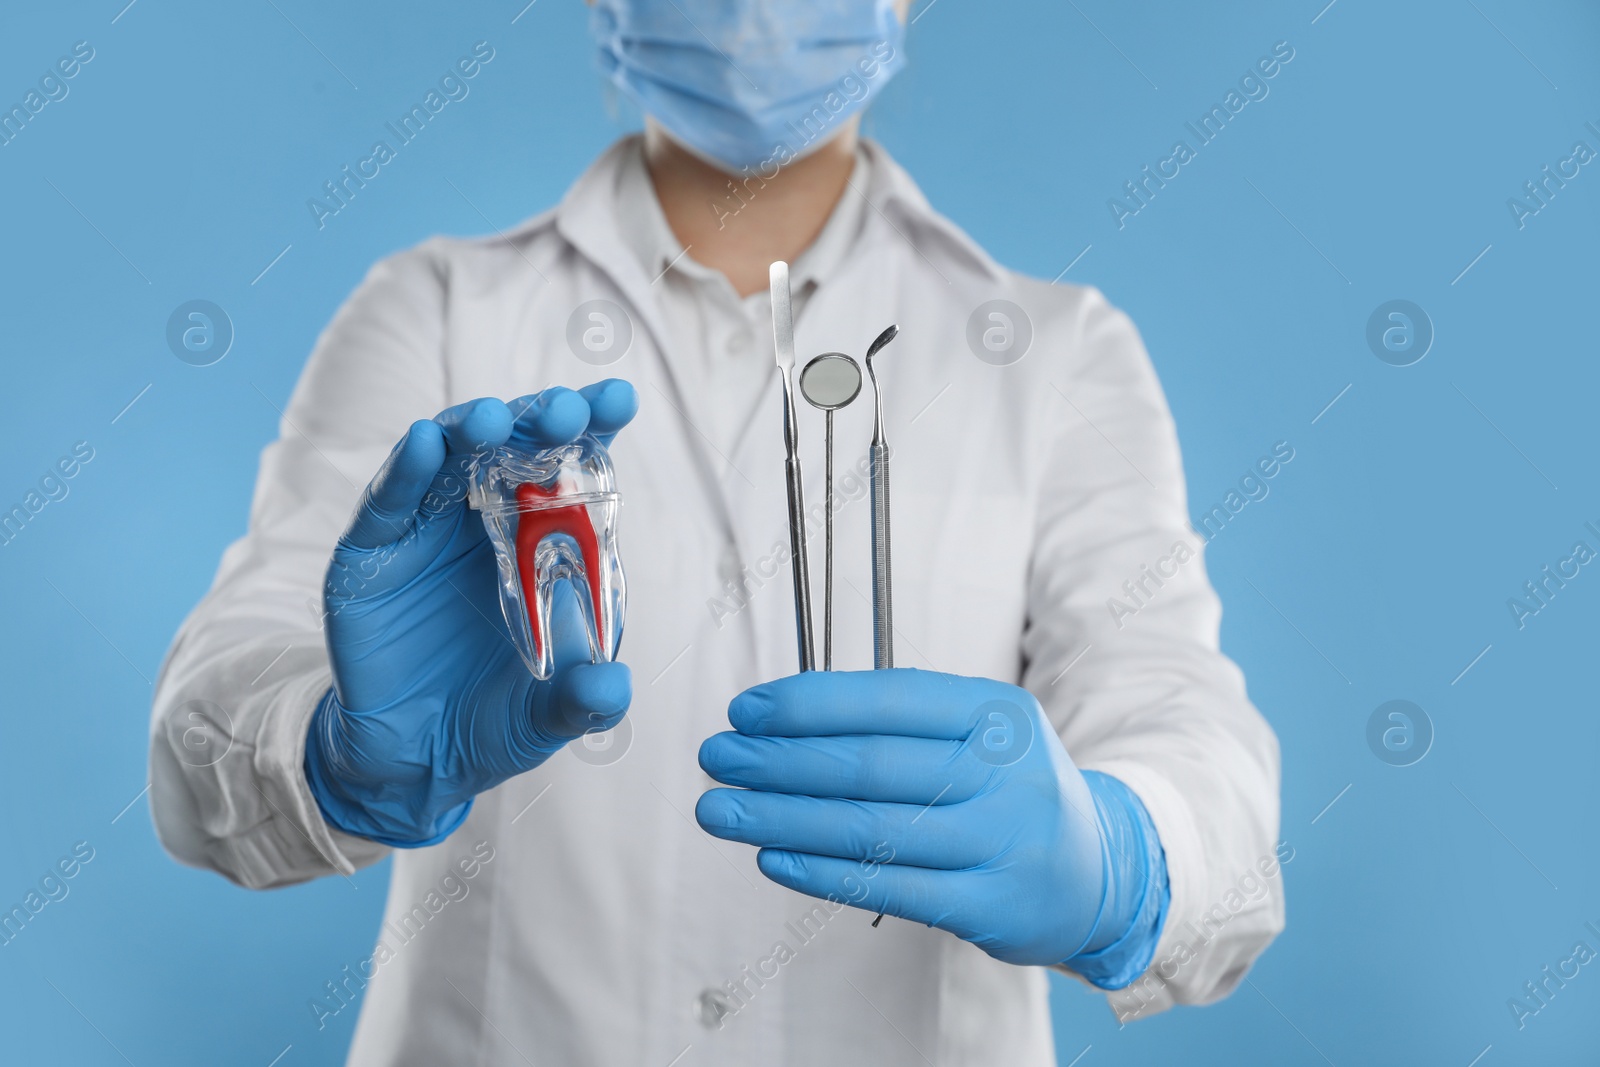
431	705
947	801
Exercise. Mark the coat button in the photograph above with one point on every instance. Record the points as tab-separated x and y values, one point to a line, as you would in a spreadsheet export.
711	1007
739	342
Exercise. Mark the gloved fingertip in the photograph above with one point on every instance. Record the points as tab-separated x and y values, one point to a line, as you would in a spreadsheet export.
602	689
487	423
749	711
583	698
421	452
718	809
421	433
781	865
612	404
558	415
721	754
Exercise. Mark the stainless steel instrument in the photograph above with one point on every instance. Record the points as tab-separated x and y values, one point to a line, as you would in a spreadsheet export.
783	342
882	582
829	382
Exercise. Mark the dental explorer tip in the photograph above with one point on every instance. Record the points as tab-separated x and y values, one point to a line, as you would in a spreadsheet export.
883	338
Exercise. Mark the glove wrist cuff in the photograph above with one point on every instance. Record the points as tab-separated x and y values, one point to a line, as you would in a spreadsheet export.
340	805
1133	909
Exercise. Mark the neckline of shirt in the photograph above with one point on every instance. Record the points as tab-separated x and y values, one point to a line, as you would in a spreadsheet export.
644	229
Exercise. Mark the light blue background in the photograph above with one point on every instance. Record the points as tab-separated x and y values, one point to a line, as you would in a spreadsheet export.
1378	568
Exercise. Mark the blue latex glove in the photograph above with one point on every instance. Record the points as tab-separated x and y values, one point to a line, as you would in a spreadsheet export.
431	704
947	801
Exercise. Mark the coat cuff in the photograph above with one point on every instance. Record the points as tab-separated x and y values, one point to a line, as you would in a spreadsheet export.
292	839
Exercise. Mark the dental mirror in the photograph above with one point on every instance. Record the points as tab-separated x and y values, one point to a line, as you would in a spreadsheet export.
829	382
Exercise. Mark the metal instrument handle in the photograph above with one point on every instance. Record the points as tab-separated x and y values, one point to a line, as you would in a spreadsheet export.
802	574
882	595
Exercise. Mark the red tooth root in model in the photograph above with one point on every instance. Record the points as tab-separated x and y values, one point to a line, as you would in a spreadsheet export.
537	523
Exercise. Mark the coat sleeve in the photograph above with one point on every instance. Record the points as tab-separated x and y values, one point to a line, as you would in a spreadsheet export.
1131	675
235	695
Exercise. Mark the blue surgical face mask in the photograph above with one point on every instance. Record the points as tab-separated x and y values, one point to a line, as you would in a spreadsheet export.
750	83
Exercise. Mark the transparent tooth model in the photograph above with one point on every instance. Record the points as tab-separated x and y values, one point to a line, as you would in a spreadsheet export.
552	516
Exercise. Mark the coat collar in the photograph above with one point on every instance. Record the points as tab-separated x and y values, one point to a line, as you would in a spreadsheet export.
588	219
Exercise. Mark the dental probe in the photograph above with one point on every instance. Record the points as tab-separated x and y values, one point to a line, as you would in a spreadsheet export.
882	583
882	589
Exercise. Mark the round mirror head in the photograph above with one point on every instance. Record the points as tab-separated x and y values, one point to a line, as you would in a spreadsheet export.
830	381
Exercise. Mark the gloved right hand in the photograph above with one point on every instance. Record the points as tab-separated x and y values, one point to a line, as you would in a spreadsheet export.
431	705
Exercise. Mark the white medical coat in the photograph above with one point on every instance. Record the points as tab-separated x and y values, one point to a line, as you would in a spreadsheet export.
606	927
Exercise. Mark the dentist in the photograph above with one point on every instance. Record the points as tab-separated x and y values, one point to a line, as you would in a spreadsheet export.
1041	785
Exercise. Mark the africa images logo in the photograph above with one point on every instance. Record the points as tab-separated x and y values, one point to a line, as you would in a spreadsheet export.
453	87
1253	87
